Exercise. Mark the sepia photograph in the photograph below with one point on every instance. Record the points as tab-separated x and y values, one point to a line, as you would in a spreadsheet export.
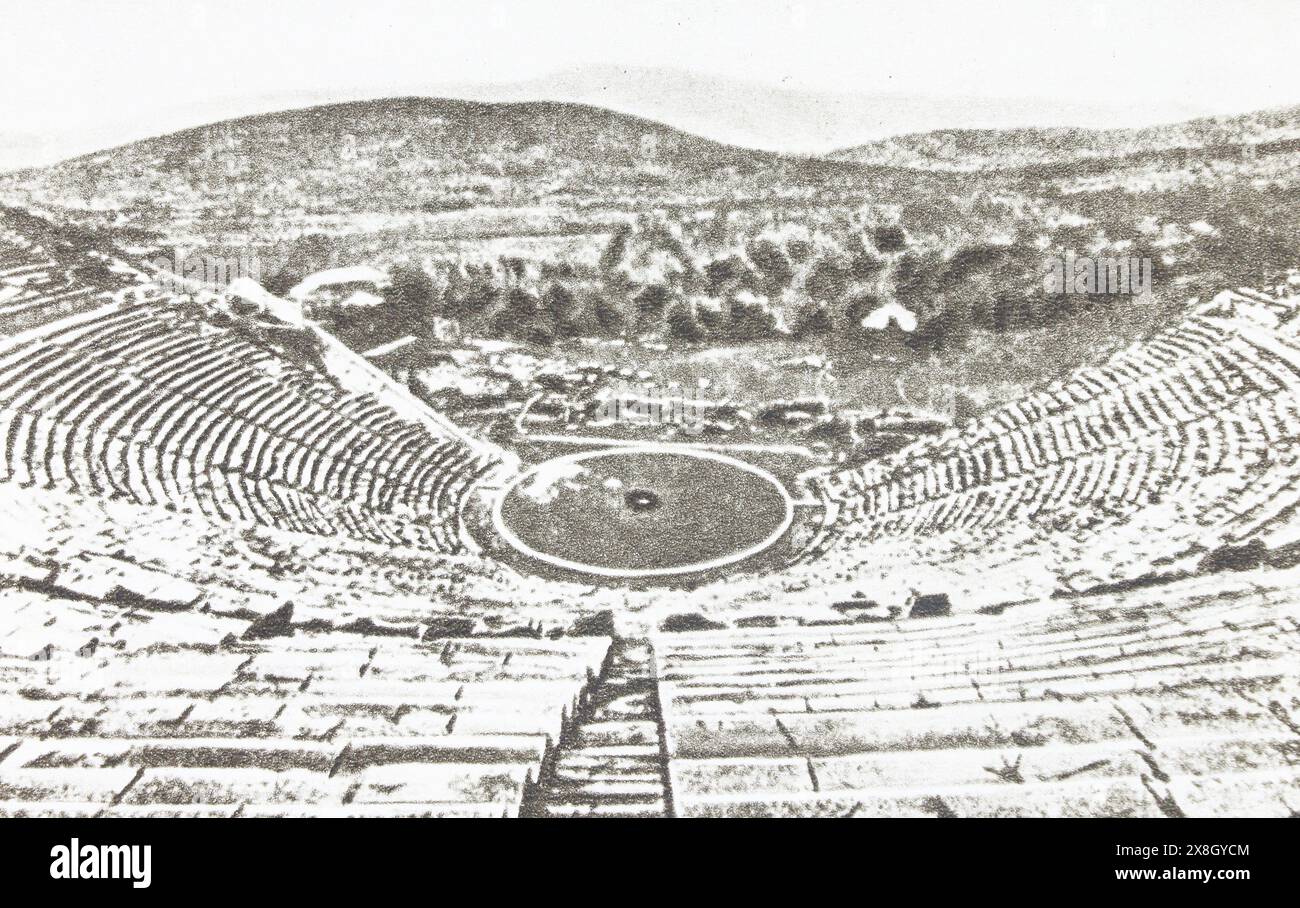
425	409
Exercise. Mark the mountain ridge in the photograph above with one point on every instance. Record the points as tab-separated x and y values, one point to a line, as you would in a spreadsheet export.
759	115
973	149
791	120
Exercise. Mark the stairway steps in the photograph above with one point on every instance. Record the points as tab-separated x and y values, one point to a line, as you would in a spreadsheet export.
605	809
638	789
611	762
623	709
609	733
648	751
606	771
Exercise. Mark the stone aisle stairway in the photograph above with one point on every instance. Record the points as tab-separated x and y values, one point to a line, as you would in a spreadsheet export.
611	762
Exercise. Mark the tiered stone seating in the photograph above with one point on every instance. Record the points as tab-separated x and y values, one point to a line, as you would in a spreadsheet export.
38	287
1205	414
1176	700
232	587
151	403
244	569
310	724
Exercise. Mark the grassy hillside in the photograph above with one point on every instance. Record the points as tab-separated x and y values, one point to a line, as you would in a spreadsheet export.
403	157
984	149
414	177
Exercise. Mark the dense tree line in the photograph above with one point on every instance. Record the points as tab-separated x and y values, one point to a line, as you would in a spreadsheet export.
724	279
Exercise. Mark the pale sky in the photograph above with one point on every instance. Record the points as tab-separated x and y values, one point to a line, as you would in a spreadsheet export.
71	66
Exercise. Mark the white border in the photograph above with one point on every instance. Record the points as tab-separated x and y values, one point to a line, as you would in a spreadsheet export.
499	524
